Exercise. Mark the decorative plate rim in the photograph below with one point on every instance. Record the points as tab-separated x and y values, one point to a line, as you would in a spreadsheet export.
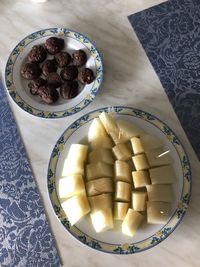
57	31
167	229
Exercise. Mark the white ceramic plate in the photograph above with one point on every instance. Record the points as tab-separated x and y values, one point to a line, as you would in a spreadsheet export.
18	87
114	241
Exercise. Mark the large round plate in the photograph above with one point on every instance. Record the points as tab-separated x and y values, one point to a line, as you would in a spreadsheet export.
148	235
18	87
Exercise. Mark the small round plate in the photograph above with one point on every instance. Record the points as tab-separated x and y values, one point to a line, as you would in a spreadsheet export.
18	87
113	241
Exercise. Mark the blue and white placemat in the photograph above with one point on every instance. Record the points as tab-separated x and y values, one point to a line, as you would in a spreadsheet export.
25	237
170	36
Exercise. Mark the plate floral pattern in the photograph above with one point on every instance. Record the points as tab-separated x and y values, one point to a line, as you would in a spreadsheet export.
157	237
60	32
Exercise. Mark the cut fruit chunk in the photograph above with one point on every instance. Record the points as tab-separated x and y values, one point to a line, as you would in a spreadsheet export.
102	142
128	129
131	222
122	171
76	207
122	191
99	186
158	212
158	157
71	185
139	200
140	162
120	210
96	130
137	145
100	202
150	142
140	178
78	153
160	193
122	152
102	220
101	154
98	170
108	122
162	175
72	167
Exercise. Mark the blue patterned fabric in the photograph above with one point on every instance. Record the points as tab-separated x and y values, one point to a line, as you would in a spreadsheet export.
25	237
170	36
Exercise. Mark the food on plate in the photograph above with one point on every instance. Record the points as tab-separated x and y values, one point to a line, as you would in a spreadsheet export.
49	66
69	89
108	122
101	154
122	191
98	170
140	178
122	152
54	79
158	212
131	222
99	186
101	142
101	201
76	207
140	162
35	84
86	76
137	145
158	157
69	73
48	94
54	45
162	175
102	220
78	152
139	199
30	71
79	58
97	131
62	59
122	171
120	210
160	192
37	54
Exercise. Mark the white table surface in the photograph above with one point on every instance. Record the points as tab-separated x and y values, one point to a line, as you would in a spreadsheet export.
129	80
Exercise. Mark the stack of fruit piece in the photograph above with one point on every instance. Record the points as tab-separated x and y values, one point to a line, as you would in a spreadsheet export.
127	177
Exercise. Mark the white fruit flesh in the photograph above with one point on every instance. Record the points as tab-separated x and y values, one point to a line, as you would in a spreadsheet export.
122	152
139	200
122	171
76	207
71	185
102	142
100	202
122	191
158	212
131	222
96	130
162	175
158	157
159	193
98	170
140	178
99	186
150	142
102	220
120	210
101	154
73	167
140	162
137	145
108	122
78	153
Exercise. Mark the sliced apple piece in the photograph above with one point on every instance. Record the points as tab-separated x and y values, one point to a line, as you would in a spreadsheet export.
137	145
71	185
76	207
160	193
100	202
96	130
131	222
162	175
158	212
101	142
140	162
120	210
77	152
122	191
150	142
73	167
102	220
101	154
108	122
140	178
158	157
128	129
99	186
122	152
139	199
98	170
122	171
